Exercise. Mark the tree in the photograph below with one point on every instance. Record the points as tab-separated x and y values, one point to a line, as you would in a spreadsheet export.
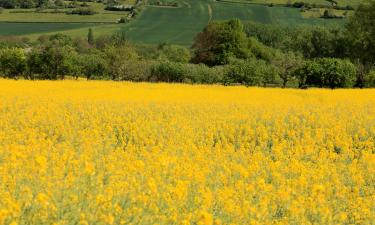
93	65
90	37
53	62
286	64
370	79
361	30
219	42
326	72
12	62
250	72
174	53
168	72
119	60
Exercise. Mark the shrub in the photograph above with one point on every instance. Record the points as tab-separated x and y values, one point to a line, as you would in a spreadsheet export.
168	72
250	72
327	72
370	79
83	11
12	62
119	8
200	73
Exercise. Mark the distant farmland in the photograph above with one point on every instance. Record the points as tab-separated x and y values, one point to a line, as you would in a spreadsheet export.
179	25
168	24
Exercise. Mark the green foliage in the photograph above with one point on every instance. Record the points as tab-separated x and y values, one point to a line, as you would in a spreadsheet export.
286	64
174	53
168	72
327	72
361	28
250	72
12	62
219	42
119	60
83	11
187	73
370	79
200	73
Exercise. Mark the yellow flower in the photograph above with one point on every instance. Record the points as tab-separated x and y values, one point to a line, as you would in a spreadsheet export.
205	218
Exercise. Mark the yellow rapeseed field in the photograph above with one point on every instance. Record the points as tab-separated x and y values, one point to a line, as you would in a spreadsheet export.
82	152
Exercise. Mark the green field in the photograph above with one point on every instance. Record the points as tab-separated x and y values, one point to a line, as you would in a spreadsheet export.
165	24
172	25
180	25
38	28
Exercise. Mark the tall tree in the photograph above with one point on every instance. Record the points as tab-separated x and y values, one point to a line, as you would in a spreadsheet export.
361	28
219	42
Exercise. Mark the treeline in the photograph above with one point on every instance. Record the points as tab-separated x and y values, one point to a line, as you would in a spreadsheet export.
224	52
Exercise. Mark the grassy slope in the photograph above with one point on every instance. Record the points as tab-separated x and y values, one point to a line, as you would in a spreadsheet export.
174	25
157	25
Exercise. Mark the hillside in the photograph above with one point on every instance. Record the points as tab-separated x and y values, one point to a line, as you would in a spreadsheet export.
155	23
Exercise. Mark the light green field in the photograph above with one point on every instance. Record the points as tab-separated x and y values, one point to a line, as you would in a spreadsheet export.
180	25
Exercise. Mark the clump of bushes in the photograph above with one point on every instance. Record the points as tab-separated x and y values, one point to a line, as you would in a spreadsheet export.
327	72
251	72
119	8
82	11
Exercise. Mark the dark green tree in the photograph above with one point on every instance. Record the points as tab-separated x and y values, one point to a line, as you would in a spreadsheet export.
219	42
361	28
286	63
326	72
12	62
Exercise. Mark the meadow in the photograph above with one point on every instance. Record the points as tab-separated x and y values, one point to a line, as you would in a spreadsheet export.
96	152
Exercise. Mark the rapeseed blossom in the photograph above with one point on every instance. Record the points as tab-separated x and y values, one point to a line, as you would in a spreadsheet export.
98	152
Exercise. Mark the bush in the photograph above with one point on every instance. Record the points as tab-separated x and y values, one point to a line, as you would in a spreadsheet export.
12	62
370	79
93	66
200	73
327	72
119	8
250	72
83	11
174	53
168	72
